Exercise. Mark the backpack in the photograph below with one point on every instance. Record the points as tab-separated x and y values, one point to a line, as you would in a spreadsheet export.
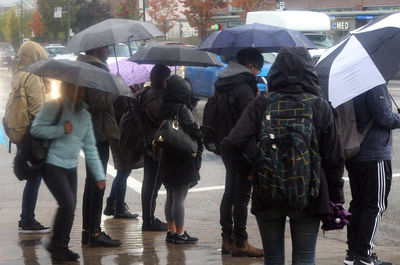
136	132
16	119
349	135
288	167
32	152
218	121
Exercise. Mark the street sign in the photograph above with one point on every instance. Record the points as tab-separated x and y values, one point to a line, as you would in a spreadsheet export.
58	12
282	5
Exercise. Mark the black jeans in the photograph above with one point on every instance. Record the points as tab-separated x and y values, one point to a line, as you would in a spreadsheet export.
370	183
151	185
93	197
62	183
235	199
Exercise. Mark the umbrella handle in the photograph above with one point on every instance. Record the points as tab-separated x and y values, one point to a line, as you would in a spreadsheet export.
398	109
116	61
74	100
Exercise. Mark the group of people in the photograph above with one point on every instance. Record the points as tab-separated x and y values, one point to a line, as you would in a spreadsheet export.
90	119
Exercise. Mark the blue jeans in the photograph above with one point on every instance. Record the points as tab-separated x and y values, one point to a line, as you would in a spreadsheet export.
304	230
29	199
118	188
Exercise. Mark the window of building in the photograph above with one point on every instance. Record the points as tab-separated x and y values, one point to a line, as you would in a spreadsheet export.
374	8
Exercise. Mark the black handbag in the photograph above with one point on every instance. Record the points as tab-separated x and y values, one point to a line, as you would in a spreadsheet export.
172	137
32	153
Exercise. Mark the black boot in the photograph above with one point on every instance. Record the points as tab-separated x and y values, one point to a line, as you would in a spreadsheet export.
110	207
122	211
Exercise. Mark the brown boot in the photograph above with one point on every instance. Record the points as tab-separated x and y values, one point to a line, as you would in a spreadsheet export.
241	247
226	243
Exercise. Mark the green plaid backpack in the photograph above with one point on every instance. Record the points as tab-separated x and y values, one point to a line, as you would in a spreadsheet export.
288	168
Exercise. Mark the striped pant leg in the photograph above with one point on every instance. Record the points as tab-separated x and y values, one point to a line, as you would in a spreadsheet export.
374	181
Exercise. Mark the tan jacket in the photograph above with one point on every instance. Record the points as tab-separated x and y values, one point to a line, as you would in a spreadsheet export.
28	93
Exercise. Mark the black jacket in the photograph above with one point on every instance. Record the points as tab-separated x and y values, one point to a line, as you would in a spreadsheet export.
241	84
179	169
294	72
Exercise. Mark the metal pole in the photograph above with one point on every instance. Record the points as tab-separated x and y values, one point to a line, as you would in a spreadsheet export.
144	10
69	19
21	35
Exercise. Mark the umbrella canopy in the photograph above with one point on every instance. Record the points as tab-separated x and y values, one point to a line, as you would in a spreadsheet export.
80	74
175	55
365	58
112	31
265	38
131	72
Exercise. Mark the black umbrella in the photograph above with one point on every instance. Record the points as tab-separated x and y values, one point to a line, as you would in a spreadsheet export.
110	32
365	58
174	56
80	74
265	38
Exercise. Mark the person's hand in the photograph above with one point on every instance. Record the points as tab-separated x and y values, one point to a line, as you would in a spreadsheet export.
251	176
101	184
68	127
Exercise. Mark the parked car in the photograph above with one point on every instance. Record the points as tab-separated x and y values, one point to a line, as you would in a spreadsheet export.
203	79
7	54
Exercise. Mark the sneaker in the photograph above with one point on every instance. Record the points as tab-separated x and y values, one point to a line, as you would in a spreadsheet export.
170	238
104	240
185	239
124	213
350	257
377	261
155	225
64	254
85	238
369	260
34	228
110	207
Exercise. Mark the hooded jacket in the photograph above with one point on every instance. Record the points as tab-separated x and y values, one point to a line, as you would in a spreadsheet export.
28	92
376	104
178	169
294	72
241	84
101	106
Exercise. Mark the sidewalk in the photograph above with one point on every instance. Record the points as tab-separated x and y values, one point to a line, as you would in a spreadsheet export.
138	247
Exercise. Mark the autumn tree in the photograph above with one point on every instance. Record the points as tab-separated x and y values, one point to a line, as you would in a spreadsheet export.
200	14
129	9
253	5
90	13
36	25
163	13
55	29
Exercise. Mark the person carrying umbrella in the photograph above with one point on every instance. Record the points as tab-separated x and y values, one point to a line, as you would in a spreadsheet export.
105	129
239	81
73	131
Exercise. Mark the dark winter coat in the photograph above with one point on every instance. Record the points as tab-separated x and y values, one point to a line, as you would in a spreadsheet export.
101	106
179	169
241	84
120	105
376	104
294	72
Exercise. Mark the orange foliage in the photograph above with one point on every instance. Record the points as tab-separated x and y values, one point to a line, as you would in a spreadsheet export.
200	14
163	13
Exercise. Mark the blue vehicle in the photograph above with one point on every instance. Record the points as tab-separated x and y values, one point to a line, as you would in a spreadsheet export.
203	79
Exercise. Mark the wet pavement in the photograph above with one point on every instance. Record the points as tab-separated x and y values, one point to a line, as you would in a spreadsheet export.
201	220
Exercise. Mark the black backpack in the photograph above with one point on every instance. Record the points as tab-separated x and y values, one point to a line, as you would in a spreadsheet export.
32	152
136	132
288	167
218	121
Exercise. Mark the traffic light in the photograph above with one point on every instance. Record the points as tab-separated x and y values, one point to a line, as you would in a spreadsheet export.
216	27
